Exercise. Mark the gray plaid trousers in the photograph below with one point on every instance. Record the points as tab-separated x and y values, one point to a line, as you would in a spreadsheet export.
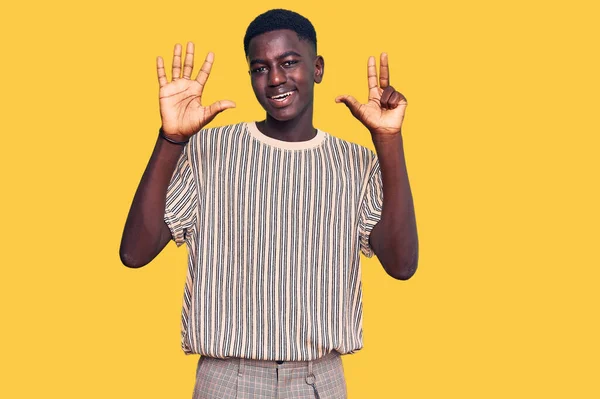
236	378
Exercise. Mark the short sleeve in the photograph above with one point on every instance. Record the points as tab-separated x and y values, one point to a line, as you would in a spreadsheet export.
370	209
182	198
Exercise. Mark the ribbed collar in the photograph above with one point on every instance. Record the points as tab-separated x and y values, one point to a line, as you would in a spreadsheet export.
286	145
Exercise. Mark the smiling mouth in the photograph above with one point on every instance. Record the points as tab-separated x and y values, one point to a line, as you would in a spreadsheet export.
281	97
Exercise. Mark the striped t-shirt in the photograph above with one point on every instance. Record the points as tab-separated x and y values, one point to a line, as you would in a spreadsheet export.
274	231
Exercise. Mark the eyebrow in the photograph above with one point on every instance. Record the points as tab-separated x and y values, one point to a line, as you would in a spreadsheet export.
286	54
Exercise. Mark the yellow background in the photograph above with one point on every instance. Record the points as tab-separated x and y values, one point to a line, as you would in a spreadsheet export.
501	140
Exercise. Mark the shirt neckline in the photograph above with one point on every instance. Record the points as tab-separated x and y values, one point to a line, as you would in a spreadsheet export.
286	145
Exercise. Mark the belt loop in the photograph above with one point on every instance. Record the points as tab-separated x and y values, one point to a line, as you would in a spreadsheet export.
310	378
240	366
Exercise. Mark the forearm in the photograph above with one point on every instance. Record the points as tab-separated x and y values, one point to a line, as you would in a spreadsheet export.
394	238
145	233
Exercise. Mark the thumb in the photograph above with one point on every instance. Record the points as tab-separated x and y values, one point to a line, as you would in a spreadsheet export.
351	102
218	107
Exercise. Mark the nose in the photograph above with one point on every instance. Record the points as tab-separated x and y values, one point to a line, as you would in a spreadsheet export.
276	77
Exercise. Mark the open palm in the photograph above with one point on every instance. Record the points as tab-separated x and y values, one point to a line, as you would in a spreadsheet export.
384	111
181	107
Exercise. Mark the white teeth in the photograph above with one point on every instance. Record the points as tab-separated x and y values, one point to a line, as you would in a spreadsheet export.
282	96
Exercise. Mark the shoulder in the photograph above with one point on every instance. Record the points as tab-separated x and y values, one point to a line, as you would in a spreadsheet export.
224	129
352	151
210	133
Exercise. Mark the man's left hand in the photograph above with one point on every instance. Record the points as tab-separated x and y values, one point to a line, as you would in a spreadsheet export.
384	111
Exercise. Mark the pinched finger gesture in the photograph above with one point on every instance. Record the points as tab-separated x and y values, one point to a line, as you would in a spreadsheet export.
181	107
384	111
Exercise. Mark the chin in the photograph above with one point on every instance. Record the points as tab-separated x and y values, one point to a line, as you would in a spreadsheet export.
282	115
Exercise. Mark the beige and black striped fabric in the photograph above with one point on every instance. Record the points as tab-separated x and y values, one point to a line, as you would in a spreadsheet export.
274	231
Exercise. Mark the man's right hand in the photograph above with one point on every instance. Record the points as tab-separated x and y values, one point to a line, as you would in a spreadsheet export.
181	108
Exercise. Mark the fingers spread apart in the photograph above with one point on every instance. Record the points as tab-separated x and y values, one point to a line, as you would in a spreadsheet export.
188	66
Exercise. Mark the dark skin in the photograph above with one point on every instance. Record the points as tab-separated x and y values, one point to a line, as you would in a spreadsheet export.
280	62
394	238
283	71
182	113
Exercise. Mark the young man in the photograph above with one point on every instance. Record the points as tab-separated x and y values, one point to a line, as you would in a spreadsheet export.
275	215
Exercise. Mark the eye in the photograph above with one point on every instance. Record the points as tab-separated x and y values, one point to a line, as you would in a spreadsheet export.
258	70
289	63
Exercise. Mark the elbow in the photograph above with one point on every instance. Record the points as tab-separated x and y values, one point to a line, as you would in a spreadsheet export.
131	261
404	273
398	254
402	268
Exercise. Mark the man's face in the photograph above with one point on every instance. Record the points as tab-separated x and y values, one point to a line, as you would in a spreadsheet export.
283	70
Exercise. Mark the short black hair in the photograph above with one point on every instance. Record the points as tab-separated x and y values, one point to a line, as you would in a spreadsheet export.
281	19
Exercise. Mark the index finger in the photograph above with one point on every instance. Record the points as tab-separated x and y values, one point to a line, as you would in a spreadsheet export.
204	72
384	71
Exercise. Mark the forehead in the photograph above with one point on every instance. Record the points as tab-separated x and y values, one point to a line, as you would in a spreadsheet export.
271	44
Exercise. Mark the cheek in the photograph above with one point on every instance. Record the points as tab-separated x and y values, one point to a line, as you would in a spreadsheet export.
305	79
256	87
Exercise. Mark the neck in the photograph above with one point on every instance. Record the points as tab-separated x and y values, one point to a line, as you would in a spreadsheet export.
298	129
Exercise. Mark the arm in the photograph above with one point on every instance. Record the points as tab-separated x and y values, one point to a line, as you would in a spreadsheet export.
394	238
146	232
182	114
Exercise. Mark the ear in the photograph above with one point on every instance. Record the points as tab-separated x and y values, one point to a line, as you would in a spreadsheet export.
319	69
